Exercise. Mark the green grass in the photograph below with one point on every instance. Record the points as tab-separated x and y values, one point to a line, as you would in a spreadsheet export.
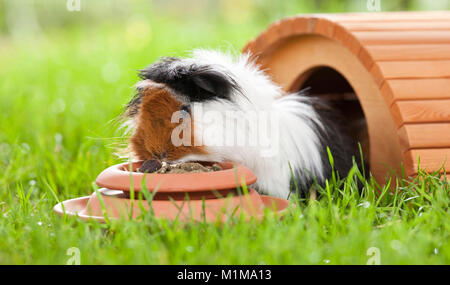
59	97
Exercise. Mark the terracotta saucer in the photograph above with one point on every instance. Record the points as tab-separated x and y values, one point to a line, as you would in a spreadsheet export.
117	204
119	177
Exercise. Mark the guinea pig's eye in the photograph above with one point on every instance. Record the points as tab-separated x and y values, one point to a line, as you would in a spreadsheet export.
186	108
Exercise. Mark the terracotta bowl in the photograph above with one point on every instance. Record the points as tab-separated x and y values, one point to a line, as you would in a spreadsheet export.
119	177
117	205
209	196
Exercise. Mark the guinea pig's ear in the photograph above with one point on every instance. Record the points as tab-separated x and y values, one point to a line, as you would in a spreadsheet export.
211	81
215	83
198	82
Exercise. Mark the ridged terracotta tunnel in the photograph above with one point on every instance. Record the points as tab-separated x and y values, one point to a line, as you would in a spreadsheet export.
394	67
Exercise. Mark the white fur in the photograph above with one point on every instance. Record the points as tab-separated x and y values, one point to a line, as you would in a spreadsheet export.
298	137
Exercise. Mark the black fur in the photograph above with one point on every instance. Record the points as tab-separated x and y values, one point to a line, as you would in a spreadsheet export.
198	82
342	147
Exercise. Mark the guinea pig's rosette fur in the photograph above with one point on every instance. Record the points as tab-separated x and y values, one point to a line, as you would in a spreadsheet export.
223	98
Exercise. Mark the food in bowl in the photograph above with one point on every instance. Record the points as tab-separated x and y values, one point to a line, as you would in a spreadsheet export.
157	166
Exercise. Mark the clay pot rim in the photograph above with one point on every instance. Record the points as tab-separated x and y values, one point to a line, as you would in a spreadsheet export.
118	177
72	208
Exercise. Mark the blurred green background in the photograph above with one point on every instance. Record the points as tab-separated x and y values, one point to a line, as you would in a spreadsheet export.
64	79
66	75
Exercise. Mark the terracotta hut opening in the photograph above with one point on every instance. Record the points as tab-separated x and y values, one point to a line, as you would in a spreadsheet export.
328	84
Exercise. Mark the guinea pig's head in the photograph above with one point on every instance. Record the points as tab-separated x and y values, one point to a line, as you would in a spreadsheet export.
165	96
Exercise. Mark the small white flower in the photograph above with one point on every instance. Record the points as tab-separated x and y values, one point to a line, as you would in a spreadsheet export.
365	204
39	223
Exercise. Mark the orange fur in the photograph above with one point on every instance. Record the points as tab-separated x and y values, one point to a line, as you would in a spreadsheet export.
152	137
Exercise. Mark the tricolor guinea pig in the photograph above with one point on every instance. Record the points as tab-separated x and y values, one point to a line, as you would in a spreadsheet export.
217	107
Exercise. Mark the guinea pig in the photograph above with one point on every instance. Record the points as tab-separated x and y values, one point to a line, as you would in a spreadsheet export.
214	106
